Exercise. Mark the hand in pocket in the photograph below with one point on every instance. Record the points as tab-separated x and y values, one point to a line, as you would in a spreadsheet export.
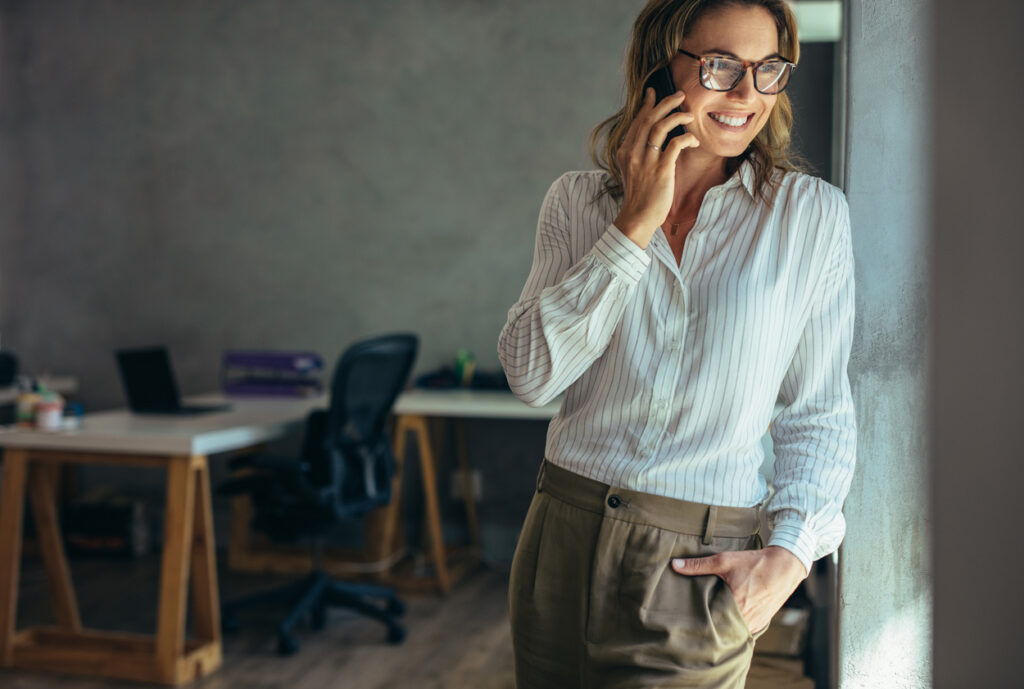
760	580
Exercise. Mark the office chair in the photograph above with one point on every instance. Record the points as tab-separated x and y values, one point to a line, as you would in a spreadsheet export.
8	368
345	470
8	372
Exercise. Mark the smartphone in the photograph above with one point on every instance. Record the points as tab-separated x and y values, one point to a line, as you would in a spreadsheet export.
661	82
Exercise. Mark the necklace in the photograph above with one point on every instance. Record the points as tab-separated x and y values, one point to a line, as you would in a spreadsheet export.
674	226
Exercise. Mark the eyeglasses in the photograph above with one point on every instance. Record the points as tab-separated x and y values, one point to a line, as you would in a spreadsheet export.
724	73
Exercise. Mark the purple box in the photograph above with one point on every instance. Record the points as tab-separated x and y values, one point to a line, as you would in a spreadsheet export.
272	373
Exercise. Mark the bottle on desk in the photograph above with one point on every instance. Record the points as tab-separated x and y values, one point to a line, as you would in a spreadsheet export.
50	412
43	410
25	413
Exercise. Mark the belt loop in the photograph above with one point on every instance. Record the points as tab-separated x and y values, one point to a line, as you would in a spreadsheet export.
709	528
540	476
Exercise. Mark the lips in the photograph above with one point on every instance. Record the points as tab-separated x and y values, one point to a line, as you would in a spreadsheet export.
731	120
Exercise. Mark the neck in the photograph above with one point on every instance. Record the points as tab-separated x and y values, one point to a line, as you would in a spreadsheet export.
695	175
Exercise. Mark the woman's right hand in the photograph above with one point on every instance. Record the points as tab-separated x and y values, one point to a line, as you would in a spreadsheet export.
648	174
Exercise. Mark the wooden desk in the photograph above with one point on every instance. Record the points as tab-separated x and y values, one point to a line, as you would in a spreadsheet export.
412	411
180	446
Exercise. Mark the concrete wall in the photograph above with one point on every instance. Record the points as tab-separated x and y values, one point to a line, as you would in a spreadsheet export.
286	174
282	174
301	174
885	593
978	337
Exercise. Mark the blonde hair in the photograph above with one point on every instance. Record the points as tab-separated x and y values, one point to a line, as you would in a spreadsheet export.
657	35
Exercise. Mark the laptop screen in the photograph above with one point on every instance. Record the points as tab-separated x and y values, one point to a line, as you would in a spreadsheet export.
148	380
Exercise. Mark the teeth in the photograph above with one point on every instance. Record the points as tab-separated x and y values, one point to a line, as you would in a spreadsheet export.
731	121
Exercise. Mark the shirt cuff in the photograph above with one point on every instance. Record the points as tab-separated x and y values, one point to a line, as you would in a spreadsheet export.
624	259
791	533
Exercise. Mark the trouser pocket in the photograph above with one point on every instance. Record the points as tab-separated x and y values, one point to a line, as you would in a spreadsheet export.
643	613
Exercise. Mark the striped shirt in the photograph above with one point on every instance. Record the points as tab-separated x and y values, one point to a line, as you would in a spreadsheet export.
671	372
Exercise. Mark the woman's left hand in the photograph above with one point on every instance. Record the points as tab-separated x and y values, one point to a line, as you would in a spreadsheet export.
760	580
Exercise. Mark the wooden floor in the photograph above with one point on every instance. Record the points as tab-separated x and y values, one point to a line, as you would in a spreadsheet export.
459	641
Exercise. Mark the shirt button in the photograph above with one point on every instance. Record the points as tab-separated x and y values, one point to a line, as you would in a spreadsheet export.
614	501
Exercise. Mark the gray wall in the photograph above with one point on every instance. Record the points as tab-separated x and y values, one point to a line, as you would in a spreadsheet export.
282	174
287	174
296	174
885	612
278	174
978	336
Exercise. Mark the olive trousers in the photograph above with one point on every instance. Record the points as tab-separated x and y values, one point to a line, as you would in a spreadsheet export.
595	604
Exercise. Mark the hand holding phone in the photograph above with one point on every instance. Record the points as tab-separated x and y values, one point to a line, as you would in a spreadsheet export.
661	82
647	159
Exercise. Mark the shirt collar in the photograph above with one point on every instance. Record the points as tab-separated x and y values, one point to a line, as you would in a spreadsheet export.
745	176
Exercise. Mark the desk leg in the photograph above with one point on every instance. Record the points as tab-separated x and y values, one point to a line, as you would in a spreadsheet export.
179	518
12	507
465	470
239	546
418	425
240	553
391	531
205	603
437	428
44	477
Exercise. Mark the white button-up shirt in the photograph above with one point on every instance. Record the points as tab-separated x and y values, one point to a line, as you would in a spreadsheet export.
671	372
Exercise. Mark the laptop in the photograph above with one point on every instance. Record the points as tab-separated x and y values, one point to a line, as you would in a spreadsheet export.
150	385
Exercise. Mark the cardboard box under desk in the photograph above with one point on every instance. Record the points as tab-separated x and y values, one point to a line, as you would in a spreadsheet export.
777	673
786	635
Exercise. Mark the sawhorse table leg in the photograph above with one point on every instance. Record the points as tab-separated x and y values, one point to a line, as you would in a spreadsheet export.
167	658
444	573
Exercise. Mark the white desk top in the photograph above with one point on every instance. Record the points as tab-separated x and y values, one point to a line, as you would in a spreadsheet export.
488	404
250	421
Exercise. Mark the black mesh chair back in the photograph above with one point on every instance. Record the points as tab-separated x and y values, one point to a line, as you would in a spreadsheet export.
346	470
8	368
354	454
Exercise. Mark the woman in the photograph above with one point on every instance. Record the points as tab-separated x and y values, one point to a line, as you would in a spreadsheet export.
675	296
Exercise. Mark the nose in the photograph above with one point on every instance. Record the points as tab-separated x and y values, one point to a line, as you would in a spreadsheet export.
744	91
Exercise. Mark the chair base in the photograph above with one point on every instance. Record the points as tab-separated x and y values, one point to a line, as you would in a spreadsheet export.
312	596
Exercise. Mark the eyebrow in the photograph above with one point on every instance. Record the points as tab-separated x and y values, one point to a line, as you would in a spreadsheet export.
729	53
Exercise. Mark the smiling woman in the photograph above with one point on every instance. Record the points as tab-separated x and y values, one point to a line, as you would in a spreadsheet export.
659	36
675	296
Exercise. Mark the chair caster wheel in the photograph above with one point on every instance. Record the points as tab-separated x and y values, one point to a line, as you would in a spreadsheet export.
396	634
229	623
287	645
395	607
318	618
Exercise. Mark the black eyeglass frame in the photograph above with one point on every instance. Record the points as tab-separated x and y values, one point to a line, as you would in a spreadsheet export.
746	67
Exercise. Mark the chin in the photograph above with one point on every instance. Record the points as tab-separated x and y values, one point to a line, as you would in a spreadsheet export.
729	151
